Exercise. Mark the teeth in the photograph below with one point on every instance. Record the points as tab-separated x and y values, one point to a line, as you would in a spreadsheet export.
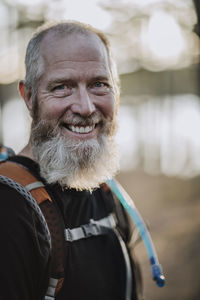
81	129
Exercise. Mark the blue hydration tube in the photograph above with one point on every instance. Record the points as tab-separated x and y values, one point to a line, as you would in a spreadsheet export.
5	153
128	204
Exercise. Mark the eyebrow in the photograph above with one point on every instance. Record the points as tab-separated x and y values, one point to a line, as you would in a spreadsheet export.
100	78
72	80
55	81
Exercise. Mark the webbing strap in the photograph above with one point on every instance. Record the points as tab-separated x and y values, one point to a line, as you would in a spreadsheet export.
51	291
49	298
34	185
93	228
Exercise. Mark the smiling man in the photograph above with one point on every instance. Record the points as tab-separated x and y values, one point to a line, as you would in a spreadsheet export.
71	91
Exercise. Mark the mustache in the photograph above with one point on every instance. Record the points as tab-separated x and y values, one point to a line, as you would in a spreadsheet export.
78	120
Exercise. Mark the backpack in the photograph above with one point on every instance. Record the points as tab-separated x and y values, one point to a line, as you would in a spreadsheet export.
21	179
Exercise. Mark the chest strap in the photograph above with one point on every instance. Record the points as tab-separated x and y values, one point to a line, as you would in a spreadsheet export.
93	228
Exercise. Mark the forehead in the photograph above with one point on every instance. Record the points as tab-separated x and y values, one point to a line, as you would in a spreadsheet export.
76	47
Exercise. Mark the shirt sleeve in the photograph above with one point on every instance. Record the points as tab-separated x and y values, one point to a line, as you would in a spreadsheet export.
23	256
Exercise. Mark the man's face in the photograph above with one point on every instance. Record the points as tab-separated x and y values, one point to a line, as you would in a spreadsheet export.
75	91
74	116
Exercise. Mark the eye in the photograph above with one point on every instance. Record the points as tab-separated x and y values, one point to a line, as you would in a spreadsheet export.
100	88
62	90
99	84
59	87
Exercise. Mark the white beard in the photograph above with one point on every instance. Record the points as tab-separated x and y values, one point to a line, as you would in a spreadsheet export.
76	164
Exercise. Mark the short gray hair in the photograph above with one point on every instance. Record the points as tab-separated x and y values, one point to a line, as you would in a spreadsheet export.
33	60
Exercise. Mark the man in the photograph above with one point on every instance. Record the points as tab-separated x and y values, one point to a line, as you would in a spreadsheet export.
71	91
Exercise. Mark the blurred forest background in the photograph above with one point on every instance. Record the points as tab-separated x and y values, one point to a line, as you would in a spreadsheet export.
156	45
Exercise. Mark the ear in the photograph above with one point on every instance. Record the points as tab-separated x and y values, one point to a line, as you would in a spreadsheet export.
26	94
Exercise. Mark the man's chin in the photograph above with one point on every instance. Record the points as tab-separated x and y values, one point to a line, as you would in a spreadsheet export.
84	167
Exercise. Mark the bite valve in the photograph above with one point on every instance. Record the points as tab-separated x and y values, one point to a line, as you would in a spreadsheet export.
157	275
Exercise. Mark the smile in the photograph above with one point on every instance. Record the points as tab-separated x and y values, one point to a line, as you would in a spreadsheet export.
81	129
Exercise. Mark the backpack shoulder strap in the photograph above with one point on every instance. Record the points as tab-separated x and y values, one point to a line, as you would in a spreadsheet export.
21	176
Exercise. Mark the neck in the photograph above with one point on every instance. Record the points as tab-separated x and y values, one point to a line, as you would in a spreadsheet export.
27	151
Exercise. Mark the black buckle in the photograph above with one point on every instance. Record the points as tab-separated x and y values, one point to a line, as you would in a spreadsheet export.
90	229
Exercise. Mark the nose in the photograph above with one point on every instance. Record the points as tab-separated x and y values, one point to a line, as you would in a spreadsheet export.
83	104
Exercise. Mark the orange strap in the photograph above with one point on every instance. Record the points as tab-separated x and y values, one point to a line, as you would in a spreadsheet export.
19	174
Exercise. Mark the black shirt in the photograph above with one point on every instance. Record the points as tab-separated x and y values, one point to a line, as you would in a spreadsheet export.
94	267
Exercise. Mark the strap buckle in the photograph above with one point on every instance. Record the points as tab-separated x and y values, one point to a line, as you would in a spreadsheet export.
91	229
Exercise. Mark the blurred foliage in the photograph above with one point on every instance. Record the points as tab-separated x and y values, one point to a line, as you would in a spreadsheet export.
135	44
131	27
